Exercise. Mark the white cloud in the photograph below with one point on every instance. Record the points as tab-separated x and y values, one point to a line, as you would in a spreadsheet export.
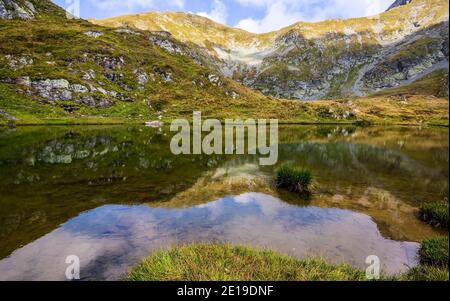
132	5
218	12
281	13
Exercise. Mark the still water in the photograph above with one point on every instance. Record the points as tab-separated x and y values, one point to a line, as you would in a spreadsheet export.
112	195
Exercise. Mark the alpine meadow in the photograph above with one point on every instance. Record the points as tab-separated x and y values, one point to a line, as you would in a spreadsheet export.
161	141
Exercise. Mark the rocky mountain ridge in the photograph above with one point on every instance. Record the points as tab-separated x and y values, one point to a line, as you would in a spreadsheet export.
63	66
27	9
330	59
16	9
58	70
398	3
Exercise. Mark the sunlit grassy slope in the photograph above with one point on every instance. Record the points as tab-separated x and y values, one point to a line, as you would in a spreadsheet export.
331	59
203	31
56	48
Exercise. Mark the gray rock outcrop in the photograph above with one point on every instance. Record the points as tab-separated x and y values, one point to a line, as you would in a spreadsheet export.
13	9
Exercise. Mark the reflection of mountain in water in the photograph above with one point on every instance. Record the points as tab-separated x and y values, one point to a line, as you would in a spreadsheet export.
110	239
49	175
343	164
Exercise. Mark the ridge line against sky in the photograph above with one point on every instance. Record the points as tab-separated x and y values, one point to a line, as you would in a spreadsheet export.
256	16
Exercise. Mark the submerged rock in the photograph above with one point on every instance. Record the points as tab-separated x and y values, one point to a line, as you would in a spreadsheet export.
154	124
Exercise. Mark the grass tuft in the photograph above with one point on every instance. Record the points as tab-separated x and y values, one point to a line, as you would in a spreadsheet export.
294	179
434	252
206	262
435	213
426	273
223	262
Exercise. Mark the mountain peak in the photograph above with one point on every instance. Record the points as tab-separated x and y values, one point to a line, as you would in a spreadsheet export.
398	3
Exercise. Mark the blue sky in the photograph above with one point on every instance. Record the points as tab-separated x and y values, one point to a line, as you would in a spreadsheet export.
252	15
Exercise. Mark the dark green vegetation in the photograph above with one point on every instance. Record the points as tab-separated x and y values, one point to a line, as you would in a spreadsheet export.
426	273
433	256
435	213
86	167
294	179
206	262
434	252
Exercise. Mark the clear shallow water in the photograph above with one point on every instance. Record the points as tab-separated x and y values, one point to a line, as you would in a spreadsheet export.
113	194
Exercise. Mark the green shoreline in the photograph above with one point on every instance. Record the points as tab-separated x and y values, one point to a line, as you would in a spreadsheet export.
109	121
225	262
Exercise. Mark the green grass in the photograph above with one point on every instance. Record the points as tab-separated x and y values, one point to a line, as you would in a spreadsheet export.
426	273
206	262
435	213
223	262
434	252
294	179
433	256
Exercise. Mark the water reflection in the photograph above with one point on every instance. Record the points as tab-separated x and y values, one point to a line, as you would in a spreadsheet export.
50	175
111	238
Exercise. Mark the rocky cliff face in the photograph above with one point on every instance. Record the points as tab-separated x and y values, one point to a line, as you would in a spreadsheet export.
12	9
57	66
329	59
398	3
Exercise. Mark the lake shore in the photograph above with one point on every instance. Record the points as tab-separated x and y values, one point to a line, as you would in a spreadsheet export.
224	262
375	110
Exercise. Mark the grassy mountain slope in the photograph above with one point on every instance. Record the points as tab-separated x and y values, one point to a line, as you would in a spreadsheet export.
55	70
328	59
100	72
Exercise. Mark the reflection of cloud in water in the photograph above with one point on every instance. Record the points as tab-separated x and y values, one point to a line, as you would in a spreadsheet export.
110	239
